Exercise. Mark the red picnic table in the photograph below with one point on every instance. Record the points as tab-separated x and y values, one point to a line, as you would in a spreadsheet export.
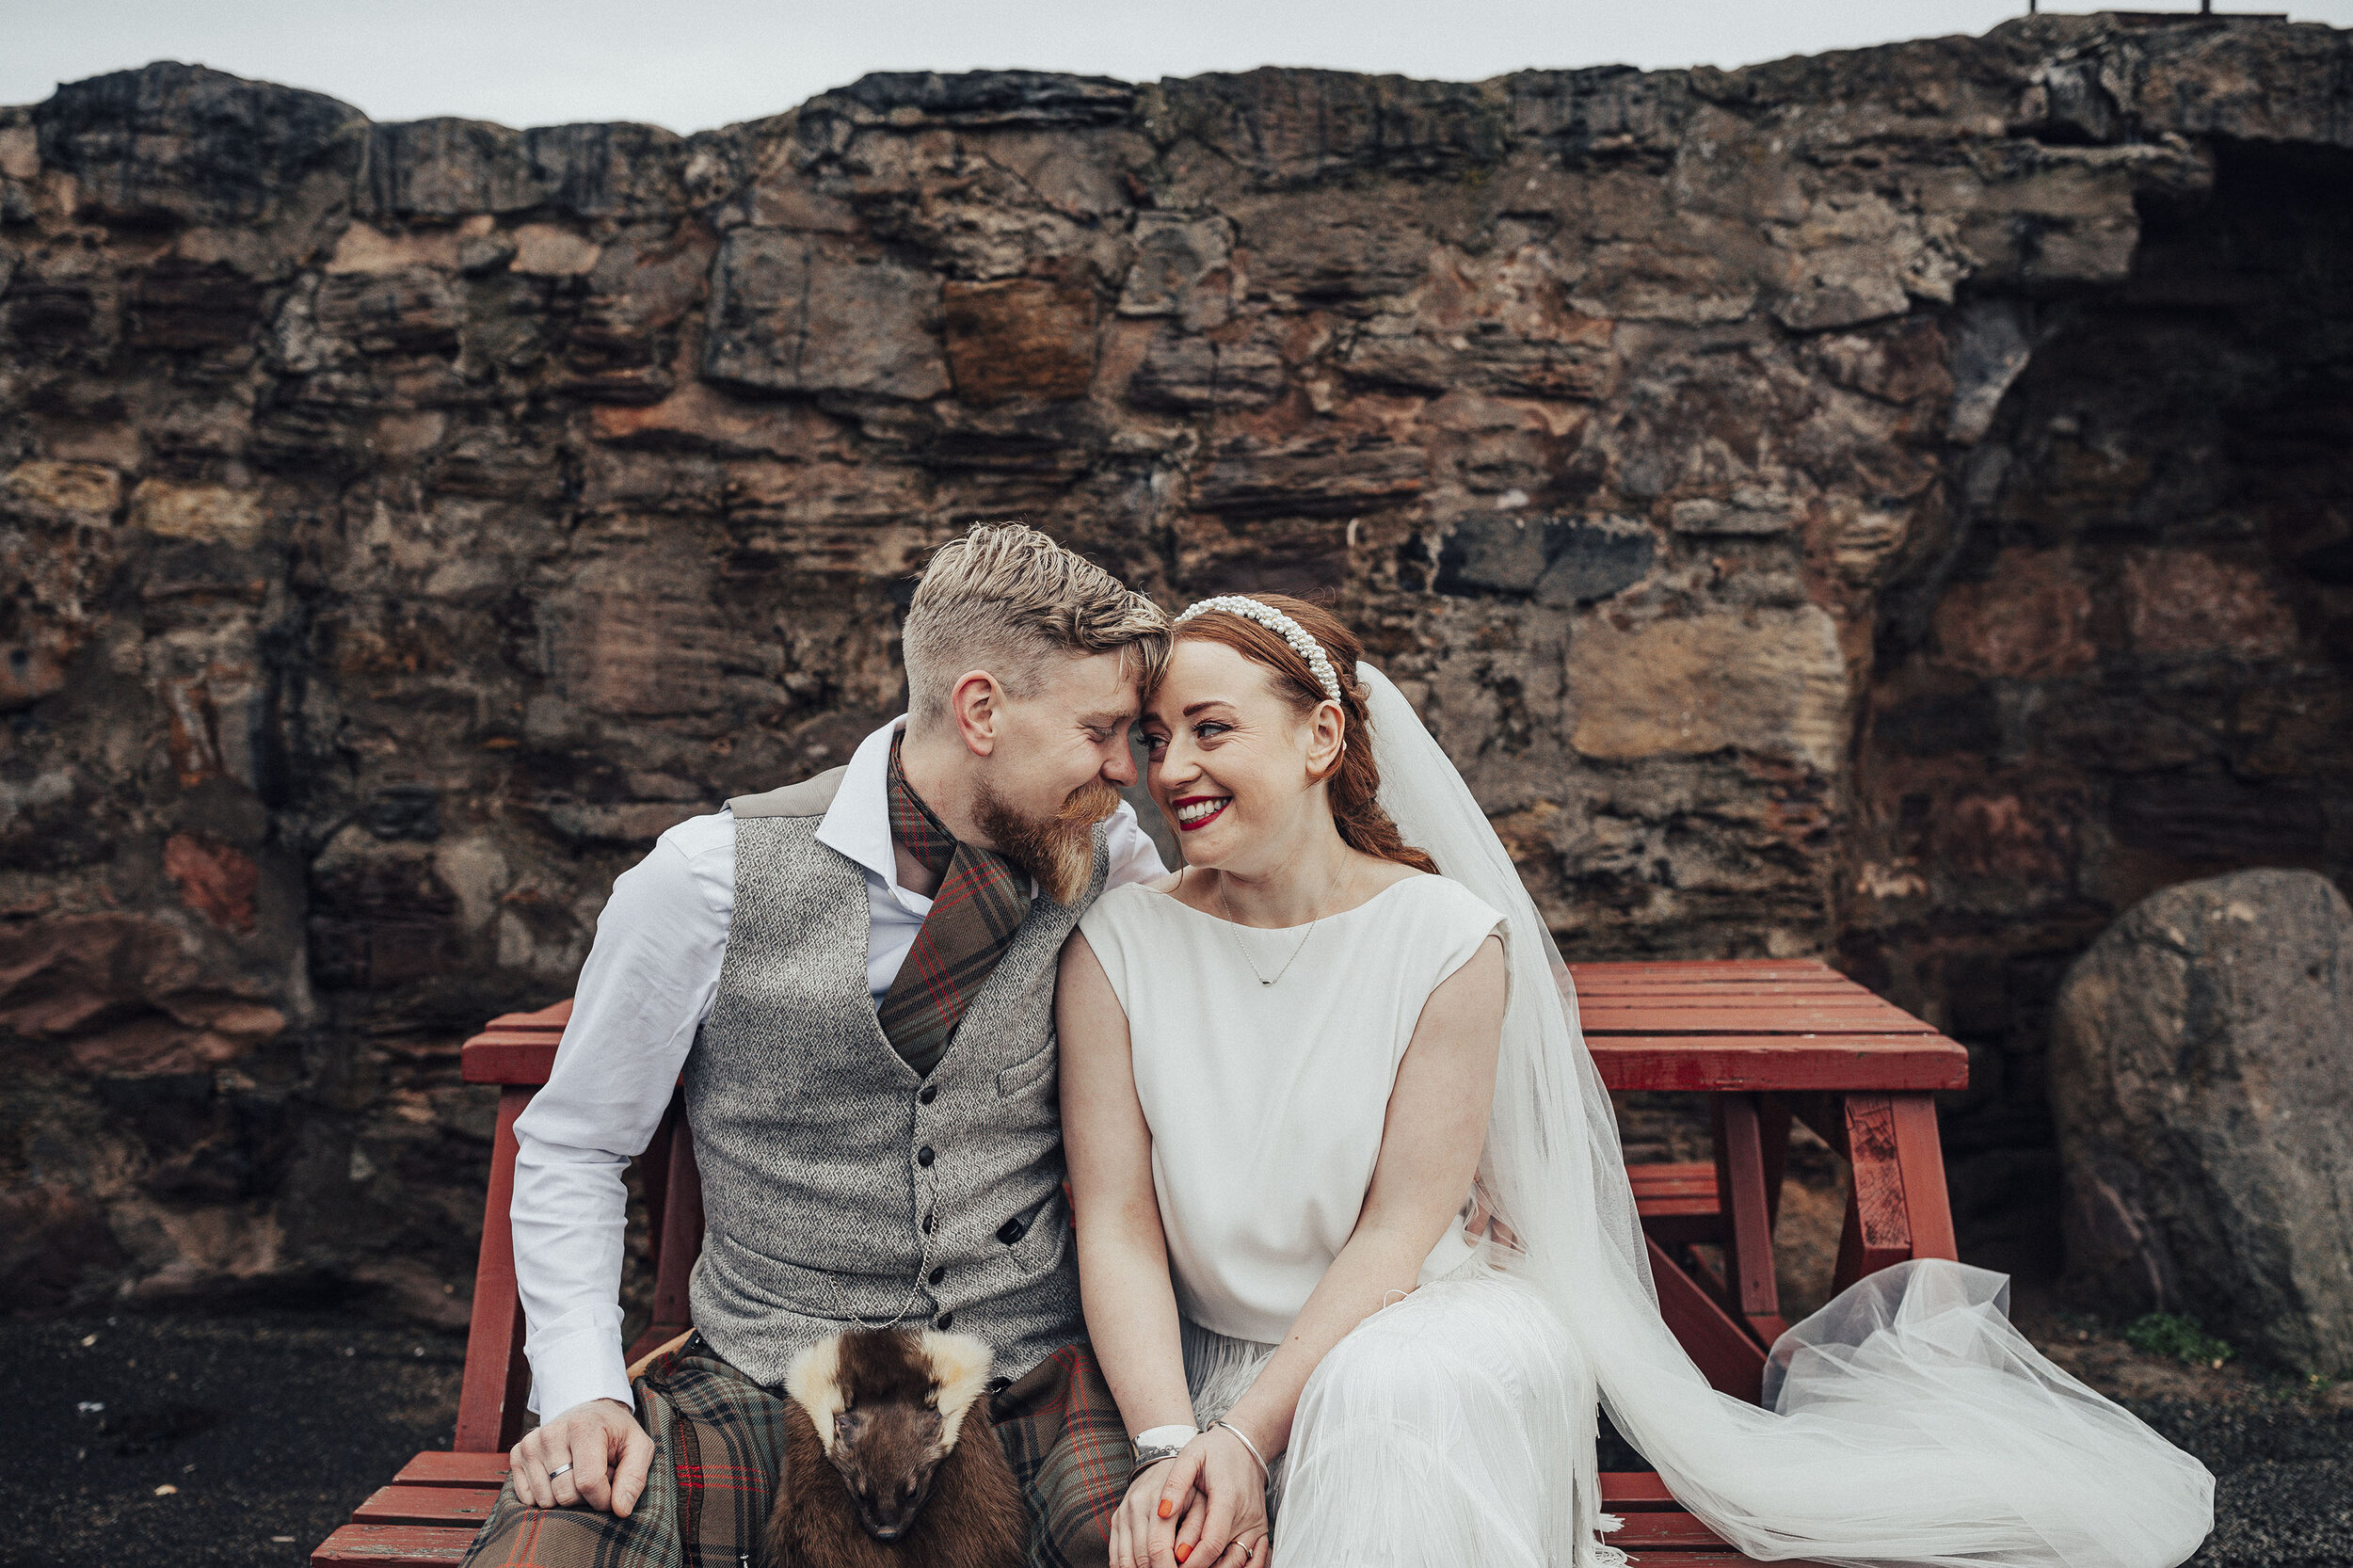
1769	1041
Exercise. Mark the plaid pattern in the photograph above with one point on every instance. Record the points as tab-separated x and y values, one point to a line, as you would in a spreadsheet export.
1069	1449
978	907
716	1440
717	1437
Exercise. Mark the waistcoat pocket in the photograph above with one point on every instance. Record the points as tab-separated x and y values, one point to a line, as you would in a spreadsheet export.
1026	1071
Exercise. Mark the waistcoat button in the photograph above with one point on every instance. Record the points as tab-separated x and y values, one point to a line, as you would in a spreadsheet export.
931	1092
943	1320
939	1273
923	1155
1012	1230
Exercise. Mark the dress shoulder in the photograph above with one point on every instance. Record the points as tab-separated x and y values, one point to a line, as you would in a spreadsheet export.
1111	923
1447	903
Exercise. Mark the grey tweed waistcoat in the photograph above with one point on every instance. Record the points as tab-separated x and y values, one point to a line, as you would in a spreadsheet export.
836	1184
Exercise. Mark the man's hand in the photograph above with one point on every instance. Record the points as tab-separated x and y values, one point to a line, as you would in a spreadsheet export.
608	1452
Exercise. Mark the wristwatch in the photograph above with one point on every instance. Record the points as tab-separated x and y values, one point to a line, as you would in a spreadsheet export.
1155	1444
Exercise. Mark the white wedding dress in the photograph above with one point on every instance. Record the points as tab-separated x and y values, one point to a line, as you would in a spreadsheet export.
1266	1106
1906	1423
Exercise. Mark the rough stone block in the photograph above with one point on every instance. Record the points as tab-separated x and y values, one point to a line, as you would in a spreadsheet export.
182	145
1487	357
1708	517
2202	1073
2189	601
1174	254
1771	682
810	313
1021	337
211	512
85	490
1181	371
2030	619
1315	477
218	881
413	311
1557	561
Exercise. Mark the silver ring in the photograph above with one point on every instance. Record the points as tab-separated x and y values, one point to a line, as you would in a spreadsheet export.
559	1469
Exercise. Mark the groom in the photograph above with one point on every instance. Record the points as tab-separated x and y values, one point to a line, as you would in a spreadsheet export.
855	974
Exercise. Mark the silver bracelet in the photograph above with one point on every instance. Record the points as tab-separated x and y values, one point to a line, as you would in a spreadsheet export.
1229	1426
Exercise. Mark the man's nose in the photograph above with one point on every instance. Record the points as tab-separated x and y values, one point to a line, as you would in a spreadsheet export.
1121	767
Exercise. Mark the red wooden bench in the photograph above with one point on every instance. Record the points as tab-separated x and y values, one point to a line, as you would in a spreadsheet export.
1769	1041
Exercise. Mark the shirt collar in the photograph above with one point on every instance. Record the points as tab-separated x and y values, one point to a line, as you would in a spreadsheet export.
857	824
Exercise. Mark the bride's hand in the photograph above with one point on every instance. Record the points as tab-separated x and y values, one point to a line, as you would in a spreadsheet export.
1132	1522
1211	1510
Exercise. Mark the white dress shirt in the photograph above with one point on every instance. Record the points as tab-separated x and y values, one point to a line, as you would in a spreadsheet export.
645	990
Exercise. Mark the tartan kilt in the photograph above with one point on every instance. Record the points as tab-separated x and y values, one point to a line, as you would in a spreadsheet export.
717	1437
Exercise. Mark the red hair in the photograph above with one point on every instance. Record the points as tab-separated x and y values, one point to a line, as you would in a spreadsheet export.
1356	781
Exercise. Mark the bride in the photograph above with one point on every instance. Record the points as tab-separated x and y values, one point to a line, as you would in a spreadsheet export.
1358	1248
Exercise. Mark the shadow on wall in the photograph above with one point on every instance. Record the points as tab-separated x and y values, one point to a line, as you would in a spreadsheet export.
2129	661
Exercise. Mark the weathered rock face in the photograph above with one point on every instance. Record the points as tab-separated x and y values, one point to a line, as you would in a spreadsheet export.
405	523
2202	1075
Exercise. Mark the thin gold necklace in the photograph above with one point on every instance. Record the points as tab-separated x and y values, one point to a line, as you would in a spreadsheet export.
1340	871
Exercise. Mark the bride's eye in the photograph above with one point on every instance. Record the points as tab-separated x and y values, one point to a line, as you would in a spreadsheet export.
1153	745
1209	730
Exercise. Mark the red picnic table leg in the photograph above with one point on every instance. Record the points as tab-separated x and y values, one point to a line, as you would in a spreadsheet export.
1897	1207
1748	1183
498	1376
1721	1347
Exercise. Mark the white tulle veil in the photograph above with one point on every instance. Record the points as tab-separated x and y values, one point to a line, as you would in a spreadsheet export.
1910	1424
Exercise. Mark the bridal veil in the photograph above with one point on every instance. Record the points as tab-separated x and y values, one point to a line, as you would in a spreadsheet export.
1907	1422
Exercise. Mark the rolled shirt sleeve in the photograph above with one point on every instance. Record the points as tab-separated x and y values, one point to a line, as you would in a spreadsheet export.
643	993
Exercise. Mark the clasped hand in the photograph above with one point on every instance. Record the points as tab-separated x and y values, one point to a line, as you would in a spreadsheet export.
1204	1509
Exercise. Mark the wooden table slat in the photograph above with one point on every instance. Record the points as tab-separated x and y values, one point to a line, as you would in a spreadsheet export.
1647	1019
1789	1064
427	1505
1779	991
1854	999
394	1546
1624	1489
441	1467
1700	967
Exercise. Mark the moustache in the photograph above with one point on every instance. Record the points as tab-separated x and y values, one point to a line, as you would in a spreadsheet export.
1089	803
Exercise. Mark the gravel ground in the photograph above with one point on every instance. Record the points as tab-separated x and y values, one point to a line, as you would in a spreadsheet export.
269	1427
209	1442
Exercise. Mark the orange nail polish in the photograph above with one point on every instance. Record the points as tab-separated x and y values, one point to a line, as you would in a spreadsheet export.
1167	1508
1183	1551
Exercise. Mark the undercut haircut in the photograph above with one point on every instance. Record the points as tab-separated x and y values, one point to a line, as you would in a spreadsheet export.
1006	599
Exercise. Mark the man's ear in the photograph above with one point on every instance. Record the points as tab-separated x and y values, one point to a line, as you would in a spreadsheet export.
977	703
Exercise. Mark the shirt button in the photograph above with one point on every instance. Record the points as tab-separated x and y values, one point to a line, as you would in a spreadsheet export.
931	1092
939	1273
943	1320
923	1156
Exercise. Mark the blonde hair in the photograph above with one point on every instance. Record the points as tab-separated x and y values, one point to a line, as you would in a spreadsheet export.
1005	598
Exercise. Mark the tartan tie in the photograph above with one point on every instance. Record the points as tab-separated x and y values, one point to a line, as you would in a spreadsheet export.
976	909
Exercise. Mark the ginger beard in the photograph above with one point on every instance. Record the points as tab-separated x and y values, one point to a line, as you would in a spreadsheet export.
1058	851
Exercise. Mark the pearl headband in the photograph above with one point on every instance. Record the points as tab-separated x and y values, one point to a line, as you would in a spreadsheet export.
1282	626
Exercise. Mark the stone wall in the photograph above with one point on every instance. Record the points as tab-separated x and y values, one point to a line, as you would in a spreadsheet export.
1894	504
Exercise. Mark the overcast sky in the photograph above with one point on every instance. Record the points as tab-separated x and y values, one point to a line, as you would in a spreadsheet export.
691	64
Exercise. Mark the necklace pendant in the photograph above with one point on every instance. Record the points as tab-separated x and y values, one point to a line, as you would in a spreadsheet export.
1266	981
